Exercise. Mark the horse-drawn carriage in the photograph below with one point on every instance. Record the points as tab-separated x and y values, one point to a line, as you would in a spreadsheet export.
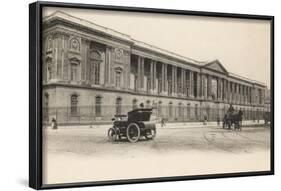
233	118
136	125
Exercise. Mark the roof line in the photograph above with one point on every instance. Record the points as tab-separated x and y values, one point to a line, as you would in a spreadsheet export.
137	42
247	79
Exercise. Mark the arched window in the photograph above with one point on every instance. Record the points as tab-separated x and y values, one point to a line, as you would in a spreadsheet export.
180	110
74	104
118	106
170	109
208	112
135	104
98	106
188	111
196	111
95	60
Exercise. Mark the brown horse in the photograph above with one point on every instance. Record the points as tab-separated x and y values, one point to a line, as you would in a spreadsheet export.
231	118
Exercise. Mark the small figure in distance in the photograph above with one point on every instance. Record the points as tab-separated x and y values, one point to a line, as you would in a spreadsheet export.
205	120
54	123
218	120
163	122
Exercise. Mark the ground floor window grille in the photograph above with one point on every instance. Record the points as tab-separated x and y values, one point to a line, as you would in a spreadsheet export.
98	106
118	106
74	105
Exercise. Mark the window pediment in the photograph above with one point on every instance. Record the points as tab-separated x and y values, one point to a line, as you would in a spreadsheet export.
74	58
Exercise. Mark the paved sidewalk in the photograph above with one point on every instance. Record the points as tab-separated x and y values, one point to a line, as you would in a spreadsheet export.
167	125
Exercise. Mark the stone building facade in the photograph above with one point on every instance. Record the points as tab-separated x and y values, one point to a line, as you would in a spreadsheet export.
91	72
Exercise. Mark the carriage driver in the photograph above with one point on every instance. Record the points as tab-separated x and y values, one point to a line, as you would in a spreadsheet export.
230	109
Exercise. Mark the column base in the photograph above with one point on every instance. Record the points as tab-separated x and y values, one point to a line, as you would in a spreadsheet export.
191	96
164	93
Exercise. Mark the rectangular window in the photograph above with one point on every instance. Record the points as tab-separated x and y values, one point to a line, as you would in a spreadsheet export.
118	106
96	73
73	72
118	79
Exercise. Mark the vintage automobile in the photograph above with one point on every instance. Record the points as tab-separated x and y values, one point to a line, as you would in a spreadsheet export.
136	125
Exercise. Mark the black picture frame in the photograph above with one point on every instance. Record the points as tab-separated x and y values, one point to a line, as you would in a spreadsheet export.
35	93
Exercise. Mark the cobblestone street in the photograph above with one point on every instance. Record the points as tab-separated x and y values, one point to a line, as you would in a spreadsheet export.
86	154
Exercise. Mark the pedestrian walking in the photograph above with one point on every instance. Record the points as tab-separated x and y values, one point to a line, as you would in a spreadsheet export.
163	122
205	120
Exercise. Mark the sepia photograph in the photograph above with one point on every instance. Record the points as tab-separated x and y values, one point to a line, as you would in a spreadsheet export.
140	95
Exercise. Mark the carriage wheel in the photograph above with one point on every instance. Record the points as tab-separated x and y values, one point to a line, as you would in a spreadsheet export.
150	133
112	135
133	132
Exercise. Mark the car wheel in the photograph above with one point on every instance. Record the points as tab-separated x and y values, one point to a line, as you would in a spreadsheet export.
133	132
112	135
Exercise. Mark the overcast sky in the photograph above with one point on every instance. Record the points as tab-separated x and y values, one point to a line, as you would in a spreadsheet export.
242	46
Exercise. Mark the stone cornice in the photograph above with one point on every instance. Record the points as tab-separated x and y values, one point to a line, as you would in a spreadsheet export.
86	36
131	92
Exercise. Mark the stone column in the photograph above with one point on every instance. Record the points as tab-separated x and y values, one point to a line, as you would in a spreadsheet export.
209	87
184	82
199	90
151	77
250	95
230	86
191	83
237	93
108	66
246	95
139	74
225	90
230	91
142	73
204	90
219	89
240	93
233	92
173	80
176	80
154	76
163	78
166	79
